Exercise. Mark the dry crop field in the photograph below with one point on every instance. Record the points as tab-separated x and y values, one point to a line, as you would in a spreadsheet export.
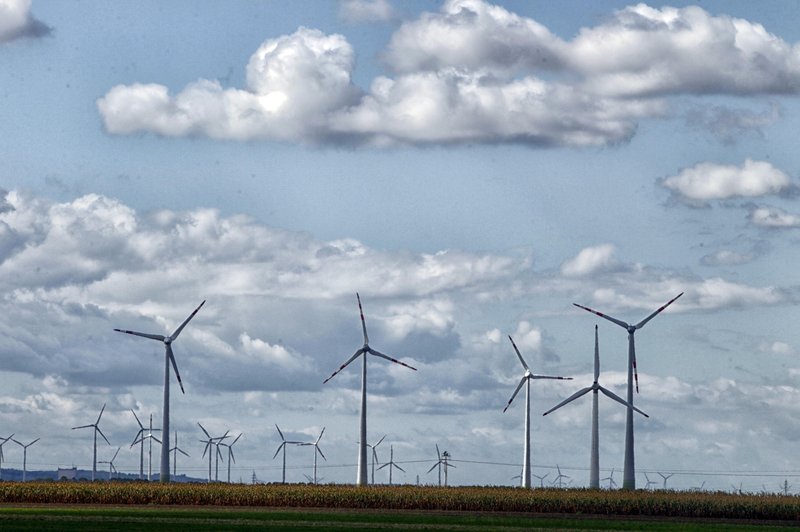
479	501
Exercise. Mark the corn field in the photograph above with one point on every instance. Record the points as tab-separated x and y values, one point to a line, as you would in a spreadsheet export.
474	499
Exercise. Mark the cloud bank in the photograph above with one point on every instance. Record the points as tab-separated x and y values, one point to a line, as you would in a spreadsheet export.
17	22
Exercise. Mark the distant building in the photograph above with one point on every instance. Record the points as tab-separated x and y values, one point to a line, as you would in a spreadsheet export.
67	474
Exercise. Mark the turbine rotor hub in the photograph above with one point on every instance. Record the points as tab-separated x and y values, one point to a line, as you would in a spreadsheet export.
167	340
631	329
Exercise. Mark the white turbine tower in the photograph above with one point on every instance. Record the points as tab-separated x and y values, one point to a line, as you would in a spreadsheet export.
390	464
629	473
111	468
168	358
175	450
594	462
317	451
25	456
361	476
526	380
3	441
96	428
284	443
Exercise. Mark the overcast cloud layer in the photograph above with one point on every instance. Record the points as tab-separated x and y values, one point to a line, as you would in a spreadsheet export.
471	72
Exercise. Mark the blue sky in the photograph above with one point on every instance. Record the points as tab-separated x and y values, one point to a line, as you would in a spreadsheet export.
471	168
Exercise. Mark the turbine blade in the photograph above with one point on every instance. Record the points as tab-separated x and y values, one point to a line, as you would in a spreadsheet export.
159	337
596	355
182	452
81	427
235	440
153	437
398	467
115	454
379	354
175	366
320	434
379	441
174	335
632	347
349	360
320	453
37	439
620	400
137	419
137	439
519	387
653	315
101	414
522	360
570	399
204	430
279	450
363	322
384	465
101	434
281	433
433	467
437	452
208	444
550	377
231	457
609	318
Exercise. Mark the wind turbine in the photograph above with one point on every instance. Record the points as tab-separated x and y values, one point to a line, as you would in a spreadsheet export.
169	358
175	450
149	436
317	451
559	477
629	473
375	457
541	479
649	482
230	454
5	441
209	442
96	428
24	455
594	462
443	462
610	478
390	464
284	443
361	475
526	380
665	477
110	463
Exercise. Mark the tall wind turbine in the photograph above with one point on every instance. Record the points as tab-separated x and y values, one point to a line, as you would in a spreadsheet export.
211	442
230	454
594	462
111	468
169	358
139	438
284	443
390	464
361	476
318	451
374	446
24	455
665	477
629	474
96	428
526	380
442	463
559	477
3	442
175	450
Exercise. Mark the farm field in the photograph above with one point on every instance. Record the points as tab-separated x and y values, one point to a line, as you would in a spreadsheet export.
132	505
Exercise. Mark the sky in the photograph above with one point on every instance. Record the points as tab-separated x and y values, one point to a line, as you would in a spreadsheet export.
470	168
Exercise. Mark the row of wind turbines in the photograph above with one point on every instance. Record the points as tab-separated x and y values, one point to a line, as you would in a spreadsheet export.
629	480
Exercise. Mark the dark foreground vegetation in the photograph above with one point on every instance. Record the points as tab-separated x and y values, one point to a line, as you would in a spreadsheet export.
462	499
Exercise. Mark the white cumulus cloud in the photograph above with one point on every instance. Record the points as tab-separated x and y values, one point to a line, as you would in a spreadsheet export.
16	21
590	260
774	218
710	181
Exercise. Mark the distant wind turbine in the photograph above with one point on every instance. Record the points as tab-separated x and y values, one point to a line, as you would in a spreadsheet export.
317	451
594	465
610	478
629	473
111	468
284	443
375	460
390	464
169	358
559	477
96	427
526	380
148	436
3	442
211	442
442	463
231	458
361	476
24	455
541	479
650	483
175	450
665	477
